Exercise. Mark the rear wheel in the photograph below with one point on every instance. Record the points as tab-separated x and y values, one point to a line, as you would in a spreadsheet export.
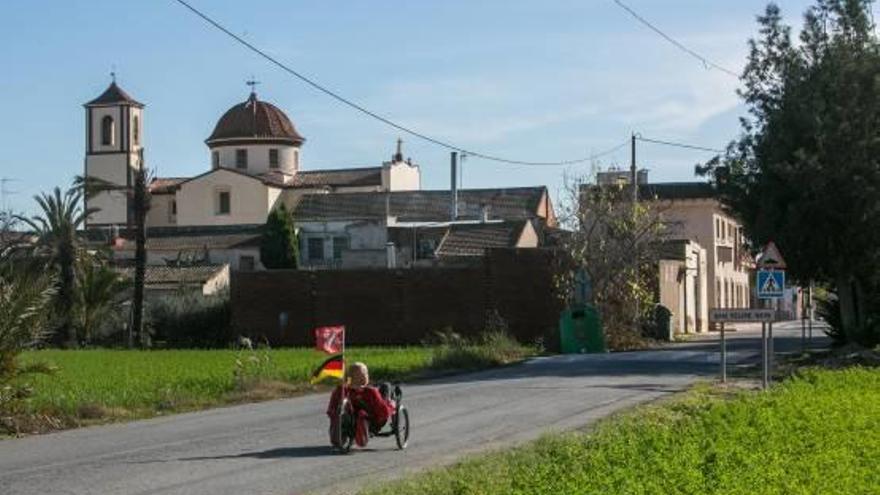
401	427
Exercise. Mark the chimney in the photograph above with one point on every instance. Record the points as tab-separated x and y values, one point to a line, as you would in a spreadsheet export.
390	255
484	213
453	196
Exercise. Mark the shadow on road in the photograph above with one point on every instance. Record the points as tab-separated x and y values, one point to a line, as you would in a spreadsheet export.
279	453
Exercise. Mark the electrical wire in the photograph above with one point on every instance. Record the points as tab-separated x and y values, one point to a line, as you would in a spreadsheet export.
708	64
378	117
678	145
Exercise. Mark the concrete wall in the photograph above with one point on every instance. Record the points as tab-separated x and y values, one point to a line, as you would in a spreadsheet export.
683	288
366	239
250	200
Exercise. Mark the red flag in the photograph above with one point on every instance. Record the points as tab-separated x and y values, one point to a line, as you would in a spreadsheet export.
330	339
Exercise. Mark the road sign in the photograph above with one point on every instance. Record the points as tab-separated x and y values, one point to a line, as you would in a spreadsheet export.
742	315
771	284
770	257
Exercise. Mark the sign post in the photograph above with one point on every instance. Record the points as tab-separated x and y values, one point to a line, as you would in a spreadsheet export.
771	286
742	315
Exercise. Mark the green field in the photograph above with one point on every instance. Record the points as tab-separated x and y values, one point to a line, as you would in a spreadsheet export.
816	434
121	383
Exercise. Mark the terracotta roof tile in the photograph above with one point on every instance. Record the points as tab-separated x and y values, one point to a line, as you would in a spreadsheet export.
114	94
255	119
165	185
165	275
351	177
421	206
474	239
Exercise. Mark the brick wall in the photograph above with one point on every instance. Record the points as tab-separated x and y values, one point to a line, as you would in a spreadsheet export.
402	306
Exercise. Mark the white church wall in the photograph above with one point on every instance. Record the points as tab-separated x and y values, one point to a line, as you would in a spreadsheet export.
401	176
198	203
161	212
258	158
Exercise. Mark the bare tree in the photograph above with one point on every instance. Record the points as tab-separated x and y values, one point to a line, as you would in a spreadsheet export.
617	243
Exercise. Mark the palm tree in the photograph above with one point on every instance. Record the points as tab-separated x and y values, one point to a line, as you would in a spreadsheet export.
24	300
59	243
98	286
140	194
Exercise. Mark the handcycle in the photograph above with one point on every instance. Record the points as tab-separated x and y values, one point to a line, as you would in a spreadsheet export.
347	416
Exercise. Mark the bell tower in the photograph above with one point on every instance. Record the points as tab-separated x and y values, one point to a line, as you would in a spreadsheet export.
114	140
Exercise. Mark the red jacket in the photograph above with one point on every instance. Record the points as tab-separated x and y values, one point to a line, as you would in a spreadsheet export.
363	398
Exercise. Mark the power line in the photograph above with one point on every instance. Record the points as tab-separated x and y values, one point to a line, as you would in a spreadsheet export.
374	115
706	62
678	145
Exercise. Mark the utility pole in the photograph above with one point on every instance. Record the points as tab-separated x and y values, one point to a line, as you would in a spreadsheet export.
453	192
633	173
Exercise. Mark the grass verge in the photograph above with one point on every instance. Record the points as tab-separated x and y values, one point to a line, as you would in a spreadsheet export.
98	386
815	433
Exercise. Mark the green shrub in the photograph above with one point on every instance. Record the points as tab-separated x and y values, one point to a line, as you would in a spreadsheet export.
191	320
490	348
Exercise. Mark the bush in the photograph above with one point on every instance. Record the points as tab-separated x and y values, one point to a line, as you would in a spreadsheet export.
490	348
191	320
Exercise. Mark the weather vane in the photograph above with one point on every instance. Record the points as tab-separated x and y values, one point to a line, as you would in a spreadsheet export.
113	72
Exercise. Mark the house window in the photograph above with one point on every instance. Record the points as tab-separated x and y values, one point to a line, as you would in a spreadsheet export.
215	159
340	244
223	203
316	248
107	131
273	158
241	158
426	249
136	130
246	263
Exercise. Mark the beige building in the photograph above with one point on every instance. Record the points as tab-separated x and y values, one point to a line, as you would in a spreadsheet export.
692	212
682	285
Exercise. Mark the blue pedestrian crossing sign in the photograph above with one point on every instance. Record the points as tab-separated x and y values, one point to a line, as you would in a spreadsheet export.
771	284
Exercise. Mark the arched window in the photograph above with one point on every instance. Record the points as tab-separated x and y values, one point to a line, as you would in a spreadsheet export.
107	131
136	130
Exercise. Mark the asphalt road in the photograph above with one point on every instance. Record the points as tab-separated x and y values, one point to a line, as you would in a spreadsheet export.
280	447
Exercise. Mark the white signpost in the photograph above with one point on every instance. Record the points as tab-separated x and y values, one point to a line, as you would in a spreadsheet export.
737	315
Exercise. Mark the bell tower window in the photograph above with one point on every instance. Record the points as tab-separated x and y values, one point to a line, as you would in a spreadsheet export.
107	131
136	130
215	159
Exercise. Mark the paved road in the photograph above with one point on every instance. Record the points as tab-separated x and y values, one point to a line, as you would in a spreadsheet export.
281	446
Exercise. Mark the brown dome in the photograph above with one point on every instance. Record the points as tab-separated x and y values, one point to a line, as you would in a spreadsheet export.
254	121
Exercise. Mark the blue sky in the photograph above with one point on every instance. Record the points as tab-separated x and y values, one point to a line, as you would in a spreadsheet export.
530	80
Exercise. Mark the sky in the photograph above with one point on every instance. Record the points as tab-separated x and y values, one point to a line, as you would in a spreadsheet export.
545	80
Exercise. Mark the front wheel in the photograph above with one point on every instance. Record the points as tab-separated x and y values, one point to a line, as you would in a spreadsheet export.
343	436
401	427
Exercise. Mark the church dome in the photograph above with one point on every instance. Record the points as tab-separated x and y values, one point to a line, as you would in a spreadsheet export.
254	121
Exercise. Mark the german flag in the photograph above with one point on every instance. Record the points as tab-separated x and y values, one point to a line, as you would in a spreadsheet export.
332	368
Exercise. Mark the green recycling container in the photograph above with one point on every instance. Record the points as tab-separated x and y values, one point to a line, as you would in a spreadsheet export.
580	330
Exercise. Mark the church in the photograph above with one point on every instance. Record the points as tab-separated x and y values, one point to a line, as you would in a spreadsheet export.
254	154
373	217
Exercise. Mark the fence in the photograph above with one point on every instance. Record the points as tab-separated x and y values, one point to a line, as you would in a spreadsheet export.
403	306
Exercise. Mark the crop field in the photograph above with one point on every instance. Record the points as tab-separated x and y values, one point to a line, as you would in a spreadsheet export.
102	383
814	434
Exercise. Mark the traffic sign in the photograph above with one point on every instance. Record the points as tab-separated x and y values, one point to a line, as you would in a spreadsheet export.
741	315
771	284
770	257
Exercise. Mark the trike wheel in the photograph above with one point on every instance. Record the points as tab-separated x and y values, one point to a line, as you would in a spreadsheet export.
344	434
401	427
